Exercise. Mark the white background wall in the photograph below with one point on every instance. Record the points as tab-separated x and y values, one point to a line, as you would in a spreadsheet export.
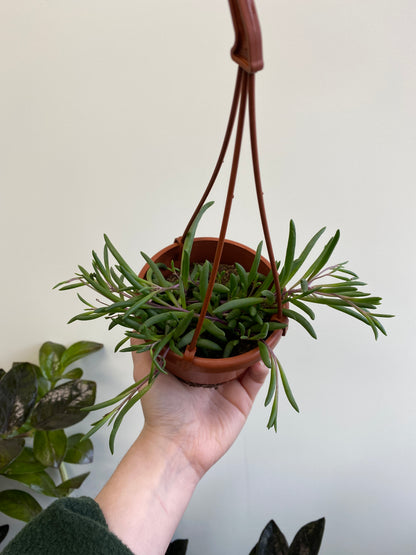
111	118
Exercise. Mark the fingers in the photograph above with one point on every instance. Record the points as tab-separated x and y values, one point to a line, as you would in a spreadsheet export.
253	379
141	361
242	392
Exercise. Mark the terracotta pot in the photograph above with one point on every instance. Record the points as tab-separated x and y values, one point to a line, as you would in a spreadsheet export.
213	371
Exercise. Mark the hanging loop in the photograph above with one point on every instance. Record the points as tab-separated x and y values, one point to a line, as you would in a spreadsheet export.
247	51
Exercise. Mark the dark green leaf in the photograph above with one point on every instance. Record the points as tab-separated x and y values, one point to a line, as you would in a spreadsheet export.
177	547
272	541
40	482
44	385
18	391
49	447
60	407
19	504
74	374
79	350
79	451
25	463
308	540
49	358
4	529
68	486
10	449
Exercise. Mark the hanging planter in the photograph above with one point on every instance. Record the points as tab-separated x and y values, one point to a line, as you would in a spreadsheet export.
199	370
208	308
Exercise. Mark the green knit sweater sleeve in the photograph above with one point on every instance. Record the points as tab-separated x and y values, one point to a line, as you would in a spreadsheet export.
70	526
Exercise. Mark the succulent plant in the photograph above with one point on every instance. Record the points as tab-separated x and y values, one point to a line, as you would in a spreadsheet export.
161	309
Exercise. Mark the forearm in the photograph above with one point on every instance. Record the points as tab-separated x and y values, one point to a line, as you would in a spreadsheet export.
148	493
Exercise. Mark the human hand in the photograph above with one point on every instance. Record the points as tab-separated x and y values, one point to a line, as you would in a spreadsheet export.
202	422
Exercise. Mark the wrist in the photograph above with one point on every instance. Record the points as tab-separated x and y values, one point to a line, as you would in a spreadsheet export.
153	483
171	453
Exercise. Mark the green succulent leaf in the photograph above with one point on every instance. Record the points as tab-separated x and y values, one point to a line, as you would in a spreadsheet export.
272	386
272	423
304	307
132	401
238	303
157	275
290	255
204	279
18	390
265	354
298	263
203	343
301	320
252	275
323	258
19	505
188	242
228	349
286	386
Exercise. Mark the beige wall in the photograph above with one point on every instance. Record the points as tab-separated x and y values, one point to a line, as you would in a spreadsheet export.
111	117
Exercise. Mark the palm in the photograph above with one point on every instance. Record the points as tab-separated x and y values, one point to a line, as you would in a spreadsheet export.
204	422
